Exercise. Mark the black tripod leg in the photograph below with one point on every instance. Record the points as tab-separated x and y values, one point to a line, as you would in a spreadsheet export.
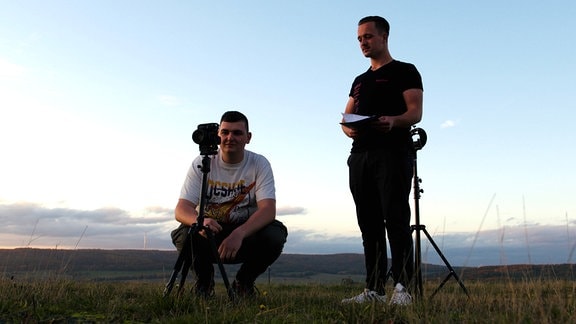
182	264
388	274
229	289
185	270
452	272
175	272
177	268
170	283
418	262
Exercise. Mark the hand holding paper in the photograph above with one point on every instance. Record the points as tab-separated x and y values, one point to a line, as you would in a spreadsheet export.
355	120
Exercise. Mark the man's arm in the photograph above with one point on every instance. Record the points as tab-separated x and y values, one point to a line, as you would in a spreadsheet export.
350	132
185	212
413	114
265	214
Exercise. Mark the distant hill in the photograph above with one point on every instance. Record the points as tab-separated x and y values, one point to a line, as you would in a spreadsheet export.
158	265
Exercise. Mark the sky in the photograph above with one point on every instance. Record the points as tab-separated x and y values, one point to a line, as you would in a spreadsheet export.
98	101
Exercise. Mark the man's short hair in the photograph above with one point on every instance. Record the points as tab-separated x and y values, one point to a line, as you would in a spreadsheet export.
233	117
381	24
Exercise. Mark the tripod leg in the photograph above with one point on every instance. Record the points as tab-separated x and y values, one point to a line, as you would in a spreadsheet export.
170	283
452	272
178	267
444	282
229	289
185	269
388	274
418	263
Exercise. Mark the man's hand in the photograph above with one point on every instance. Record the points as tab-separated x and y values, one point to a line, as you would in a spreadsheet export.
231	245
212	225
385	123
350	132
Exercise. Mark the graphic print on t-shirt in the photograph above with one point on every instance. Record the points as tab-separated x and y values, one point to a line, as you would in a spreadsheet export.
227	202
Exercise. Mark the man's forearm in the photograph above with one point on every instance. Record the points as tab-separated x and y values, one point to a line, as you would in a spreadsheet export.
185	212
265	215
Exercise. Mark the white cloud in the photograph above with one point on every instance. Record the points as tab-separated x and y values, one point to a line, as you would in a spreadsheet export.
290	210
448	124
33	225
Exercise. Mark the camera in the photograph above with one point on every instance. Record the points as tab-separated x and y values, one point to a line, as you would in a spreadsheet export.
206	136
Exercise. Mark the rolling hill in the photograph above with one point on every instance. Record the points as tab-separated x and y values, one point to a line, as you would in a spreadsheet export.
158	265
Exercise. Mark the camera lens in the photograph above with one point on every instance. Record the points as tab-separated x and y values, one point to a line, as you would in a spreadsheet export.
198	136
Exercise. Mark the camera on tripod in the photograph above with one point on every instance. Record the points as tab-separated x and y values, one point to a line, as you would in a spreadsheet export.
206	136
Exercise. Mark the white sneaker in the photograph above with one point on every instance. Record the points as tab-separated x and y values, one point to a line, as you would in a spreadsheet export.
367	296
400	296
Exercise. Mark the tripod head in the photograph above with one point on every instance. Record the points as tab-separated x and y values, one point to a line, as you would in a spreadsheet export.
419	138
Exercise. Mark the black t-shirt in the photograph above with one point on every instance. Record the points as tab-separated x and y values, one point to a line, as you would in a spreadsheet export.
380	93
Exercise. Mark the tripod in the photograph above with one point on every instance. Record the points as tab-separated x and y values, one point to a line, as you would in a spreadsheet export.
419	143
186	256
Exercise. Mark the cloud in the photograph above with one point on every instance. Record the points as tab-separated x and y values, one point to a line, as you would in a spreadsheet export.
290	210
448	124
34	225
102	228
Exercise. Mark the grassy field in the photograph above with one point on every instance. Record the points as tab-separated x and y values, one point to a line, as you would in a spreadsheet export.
69	301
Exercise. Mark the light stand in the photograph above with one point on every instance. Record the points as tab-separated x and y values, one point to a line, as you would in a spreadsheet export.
419	140
184	261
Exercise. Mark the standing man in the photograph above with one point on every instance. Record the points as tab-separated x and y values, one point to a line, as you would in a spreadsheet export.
240	210
381	161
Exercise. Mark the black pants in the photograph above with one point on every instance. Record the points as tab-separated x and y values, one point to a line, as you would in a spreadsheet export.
380	182
256	254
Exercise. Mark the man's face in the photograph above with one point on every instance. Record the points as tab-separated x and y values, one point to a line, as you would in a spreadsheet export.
233	137
372	42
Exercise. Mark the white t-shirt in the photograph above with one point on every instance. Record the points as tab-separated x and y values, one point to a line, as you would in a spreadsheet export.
233	190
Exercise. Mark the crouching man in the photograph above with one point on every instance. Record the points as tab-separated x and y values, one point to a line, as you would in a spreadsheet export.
240	211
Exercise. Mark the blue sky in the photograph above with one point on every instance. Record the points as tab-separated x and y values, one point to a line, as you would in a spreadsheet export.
99	99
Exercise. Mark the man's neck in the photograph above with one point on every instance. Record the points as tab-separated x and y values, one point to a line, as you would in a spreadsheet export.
376	63
233	158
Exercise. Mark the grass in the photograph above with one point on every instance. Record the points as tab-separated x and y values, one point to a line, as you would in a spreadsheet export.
68	301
